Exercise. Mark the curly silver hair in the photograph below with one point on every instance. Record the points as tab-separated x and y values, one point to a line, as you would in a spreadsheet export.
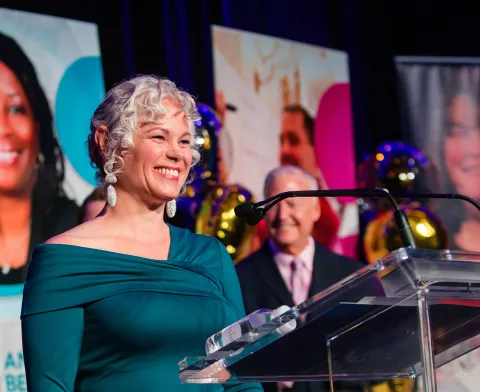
120	111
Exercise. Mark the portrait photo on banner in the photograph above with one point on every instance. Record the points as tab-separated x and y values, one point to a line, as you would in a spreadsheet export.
439	105
288	103
51	81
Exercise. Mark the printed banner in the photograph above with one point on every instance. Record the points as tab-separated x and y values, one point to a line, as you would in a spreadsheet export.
439	105
12	371
289	104
51	81
440	102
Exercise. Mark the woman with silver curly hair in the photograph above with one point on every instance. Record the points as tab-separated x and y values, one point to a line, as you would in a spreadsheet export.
115	303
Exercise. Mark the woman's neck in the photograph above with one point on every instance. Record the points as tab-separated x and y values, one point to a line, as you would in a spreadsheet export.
15	217
15	214
137	219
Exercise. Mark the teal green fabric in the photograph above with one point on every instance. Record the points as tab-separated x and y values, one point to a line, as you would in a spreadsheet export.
94	320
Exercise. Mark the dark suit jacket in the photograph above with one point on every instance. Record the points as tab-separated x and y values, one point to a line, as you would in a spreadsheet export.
263	287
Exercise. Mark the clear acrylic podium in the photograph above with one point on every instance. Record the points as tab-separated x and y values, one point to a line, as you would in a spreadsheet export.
425	312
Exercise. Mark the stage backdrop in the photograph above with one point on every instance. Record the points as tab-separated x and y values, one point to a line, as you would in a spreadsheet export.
440	111
289	104
65	55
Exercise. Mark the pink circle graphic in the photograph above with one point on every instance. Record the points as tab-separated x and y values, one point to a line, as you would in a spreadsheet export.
334	143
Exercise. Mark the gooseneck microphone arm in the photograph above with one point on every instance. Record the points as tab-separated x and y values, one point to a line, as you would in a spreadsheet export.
255	212
456	196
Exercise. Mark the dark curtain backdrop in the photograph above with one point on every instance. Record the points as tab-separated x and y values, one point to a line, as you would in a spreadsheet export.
172	38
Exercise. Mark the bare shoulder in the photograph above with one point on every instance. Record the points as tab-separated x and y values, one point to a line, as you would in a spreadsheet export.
82	235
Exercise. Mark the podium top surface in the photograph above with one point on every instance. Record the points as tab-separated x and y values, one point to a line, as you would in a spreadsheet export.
362	328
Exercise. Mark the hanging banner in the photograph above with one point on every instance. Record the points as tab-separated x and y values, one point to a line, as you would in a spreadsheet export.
440	112
291	105
51	81
439	104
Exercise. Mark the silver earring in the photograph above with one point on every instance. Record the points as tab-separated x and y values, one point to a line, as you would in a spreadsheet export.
40	160
171	208
111	196
110	179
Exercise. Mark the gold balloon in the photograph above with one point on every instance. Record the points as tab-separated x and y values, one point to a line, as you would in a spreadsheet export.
382	236
395	385
217	218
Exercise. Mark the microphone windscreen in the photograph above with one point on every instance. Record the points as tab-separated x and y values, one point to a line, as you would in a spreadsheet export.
254	218
243	210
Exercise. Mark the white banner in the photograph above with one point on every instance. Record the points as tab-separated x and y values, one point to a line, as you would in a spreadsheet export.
12	369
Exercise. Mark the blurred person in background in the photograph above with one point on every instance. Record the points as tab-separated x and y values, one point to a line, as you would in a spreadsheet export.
292	266
297	148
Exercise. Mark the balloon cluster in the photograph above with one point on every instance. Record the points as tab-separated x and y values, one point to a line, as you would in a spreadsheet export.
399	168
207	206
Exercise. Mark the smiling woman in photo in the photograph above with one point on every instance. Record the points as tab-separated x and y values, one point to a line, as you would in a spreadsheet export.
460	166
33	206
462	161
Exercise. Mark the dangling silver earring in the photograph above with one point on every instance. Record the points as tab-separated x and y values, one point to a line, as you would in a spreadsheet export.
171	208
110	179
111	196
40	160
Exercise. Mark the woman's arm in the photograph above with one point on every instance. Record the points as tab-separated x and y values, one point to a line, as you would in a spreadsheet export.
51	349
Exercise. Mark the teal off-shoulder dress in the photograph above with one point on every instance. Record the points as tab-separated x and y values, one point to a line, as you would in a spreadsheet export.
99	321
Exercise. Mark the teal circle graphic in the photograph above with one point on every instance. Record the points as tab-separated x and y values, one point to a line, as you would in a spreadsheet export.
7	290
80	91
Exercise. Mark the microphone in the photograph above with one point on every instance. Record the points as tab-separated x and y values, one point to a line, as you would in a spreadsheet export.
255	212
248	211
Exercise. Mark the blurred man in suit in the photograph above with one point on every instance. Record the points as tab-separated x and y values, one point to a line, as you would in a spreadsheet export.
291	266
